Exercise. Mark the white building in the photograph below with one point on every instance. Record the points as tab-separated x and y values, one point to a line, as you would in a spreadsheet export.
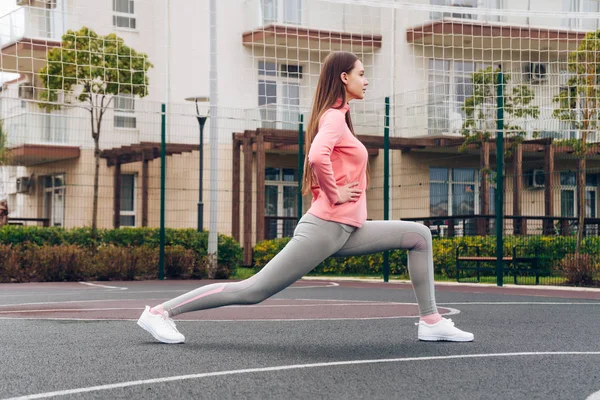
420	54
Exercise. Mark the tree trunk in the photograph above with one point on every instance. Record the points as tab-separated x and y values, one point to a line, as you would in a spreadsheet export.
580	201
96	177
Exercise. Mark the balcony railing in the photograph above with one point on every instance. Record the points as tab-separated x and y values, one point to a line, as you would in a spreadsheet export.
36	128
31	23
312	14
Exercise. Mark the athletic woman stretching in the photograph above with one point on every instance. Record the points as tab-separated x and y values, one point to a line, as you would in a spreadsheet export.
335	170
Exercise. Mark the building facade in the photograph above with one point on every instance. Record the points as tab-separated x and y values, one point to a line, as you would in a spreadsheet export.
419	55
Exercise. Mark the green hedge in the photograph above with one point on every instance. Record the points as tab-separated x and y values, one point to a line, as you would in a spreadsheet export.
57	254
551	250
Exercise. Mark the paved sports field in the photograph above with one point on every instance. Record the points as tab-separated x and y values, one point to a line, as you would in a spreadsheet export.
318	339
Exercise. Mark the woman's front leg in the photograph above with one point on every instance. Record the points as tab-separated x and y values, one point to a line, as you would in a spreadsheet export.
376	236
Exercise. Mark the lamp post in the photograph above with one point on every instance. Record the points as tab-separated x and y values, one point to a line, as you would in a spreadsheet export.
201	121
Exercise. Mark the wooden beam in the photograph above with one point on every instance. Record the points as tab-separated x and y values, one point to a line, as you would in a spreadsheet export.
117	197
548	225
260	188
519	227
235	190
247	146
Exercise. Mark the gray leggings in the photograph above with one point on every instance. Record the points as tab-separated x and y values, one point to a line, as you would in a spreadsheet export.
314	240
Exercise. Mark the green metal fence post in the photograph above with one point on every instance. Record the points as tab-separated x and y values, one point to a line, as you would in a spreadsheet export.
300	166
163	165
500	181
386	181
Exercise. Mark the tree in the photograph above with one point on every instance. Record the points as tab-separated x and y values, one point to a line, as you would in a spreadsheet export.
480	115
480	108
579	104
3	149
95	69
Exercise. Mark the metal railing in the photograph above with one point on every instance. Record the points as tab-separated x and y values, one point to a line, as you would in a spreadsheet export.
32	23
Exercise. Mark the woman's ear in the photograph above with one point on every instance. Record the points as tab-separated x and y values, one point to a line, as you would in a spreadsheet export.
344	77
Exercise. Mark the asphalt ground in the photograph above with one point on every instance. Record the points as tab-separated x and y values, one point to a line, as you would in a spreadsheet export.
318	339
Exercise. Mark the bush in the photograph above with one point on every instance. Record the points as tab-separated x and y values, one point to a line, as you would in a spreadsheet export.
579	269
124	263
55	263
11	263
183	263
122	243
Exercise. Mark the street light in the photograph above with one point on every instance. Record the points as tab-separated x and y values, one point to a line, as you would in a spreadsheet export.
201	121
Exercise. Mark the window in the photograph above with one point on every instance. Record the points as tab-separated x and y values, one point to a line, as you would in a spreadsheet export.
124	105
587	6
569	202
450	84
281	11
568	194
455	191
54	199
127	200
123	14
281	189
279	94
465	4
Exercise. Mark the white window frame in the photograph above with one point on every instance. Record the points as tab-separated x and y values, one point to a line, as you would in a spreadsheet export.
573	188
455	116
123	112
129	213
280	12
280	107
476	184
581	6
458	4
51	189
131	16
280	184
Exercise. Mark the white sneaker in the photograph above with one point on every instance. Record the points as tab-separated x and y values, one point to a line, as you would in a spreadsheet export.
160	326
443	330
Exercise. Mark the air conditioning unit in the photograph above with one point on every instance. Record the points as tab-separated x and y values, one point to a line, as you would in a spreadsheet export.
538	179
23	184
534	72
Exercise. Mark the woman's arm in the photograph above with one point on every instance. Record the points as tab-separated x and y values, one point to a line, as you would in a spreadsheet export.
331	129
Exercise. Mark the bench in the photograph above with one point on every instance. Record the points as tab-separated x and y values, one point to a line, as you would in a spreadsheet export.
513	262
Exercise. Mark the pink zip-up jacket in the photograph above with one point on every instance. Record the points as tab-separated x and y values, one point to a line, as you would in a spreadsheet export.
337	158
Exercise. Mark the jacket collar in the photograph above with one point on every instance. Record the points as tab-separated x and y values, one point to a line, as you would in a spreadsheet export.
338	103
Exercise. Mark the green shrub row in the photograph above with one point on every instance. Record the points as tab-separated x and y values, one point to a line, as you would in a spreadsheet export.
33	263
57	254
554	253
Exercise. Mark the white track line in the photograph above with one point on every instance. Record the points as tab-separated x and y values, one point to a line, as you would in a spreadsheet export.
113	288
291	367
103	286
329	284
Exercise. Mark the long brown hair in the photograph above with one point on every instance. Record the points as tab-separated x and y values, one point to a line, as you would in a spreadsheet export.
330	89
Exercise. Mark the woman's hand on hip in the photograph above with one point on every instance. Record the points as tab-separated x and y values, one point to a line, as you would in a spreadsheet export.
348	192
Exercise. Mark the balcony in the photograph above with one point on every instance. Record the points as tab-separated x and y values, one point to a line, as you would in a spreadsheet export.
479	36
308	25
26	34
38	138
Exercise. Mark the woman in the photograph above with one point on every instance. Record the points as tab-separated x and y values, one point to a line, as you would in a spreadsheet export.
335	170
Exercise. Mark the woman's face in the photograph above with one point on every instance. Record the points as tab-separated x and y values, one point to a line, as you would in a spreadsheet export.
355	81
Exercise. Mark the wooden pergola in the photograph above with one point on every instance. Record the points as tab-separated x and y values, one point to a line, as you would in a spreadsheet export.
261	141
144	152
